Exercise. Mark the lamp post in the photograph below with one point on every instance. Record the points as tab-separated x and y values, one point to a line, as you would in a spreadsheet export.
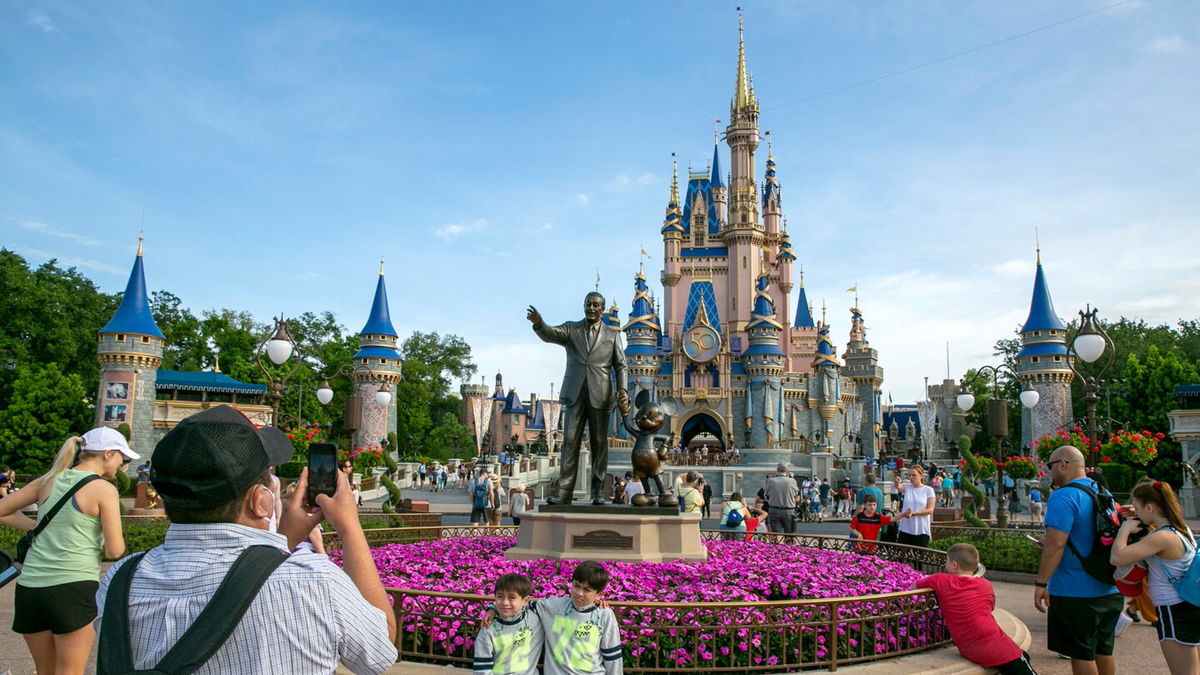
279	347
324	395
1090	343
997	423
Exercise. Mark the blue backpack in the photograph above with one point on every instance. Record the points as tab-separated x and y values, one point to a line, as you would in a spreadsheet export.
734	518
1188	587
480	493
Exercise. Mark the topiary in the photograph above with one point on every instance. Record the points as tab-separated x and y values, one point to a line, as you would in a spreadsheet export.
971	470
394	496
123	427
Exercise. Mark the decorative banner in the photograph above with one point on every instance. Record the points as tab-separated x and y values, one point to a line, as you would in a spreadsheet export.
553	411
481	411
792	412
927	413
854	419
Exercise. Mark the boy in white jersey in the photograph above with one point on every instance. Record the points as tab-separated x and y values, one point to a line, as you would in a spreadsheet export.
512	643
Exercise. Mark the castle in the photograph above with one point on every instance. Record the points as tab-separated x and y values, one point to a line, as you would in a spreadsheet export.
134	390
726	346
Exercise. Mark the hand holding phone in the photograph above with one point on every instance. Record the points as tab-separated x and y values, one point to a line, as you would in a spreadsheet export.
322	471
1036	542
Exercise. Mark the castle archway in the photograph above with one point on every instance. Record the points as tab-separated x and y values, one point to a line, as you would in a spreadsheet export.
703	422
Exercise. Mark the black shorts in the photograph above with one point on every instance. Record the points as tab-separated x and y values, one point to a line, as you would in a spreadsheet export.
1018	666
60	609
480	514
1180	623
1081	628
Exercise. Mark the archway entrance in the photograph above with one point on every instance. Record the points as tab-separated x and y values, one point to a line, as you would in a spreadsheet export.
705	428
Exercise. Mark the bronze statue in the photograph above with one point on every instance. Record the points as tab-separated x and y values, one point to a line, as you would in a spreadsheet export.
594	355
649	451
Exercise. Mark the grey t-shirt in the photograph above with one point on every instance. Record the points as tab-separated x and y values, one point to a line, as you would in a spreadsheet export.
781	492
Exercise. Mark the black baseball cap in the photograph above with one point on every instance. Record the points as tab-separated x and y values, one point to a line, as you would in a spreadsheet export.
213	457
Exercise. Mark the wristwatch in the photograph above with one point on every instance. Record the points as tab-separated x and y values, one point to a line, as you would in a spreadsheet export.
1039	584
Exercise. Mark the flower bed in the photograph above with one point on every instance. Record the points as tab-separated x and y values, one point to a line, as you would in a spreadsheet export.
752	605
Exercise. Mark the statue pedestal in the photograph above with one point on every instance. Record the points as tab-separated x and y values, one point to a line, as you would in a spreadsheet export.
142	501
620	533
822	465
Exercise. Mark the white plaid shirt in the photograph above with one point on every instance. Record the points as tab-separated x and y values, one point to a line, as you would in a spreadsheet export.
307	617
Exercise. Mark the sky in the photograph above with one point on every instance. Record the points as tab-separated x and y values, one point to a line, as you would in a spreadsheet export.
502	154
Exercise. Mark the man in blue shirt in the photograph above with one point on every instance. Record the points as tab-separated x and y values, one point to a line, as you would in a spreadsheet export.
868	489
1082	611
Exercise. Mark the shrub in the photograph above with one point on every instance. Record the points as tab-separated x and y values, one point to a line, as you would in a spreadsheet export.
1051	442
1003	553
1131	448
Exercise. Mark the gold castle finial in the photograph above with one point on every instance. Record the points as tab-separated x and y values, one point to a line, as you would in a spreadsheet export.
141	233
743	95
380	265
597	279
802	279
674	179
823	314
1038	243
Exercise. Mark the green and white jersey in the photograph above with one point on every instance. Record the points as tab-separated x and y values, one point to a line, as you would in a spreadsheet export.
578	642
510	647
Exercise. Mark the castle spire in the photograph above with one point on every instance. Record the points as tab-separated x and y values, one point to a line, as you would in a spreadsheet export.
380	320
133	315
642	313
715	178
743	95
1041	309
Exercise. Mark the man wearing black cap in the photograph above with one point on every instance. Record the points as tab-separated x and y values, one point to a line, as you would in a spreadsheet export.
212	473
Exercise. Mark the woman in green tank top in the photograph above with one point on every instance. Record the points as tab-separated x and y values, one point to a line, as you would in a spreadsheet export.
55	600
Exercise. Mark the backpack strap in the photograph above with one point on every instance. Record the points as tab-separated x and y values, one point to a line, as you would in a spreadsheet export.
211	629
1162	563
1095	507
45	520
114	654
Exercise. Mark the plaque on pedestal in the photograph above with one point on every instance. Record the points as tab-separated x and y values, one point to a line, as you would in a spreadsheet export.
616	532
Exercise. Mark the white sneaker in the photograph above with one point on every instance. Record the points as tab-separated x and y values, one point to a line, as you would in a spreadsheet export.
1122	621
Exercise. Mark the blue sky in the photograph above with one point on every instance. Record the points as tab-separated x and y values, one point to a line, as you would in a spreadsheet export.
498	154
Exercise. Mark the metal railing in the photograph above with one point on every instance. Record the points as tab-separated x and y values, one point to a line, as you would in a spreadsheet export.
705	637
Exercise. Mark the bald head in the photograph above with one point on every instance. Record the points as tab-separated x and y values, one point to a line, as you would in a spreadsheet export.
1066	465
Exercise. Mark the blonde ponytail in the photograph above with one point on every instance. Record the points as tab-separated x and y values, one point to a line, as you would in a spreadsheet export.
65	458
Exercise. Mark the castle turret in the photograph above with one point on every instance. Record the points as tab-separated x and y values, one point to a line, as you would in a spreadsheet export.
743	235
642	333
672	232
862	369
772	202
764	364
825	387
130	352
802	339
718	185
377	364
612	318
1042	362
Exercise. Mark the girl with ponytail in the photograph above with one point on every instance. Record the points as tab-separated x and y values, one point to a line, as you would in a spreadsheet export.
1169	548
54	604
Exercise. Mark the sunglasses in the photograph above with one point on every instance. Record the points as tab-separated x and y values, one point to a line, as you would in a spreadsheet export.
1050	465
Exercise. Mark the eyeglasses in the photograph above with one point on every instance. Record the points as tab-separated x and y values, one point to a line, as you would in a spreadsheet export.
1050	464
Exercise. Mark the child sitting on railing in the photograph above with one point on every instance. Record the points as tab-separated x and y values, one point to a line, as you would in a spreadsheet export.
967	602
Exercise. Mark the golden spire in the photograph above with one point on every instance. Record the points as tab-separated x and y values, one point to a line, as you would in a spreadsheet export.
802	281
141	232
1038	243
380	265
743	95
674	179
770	153
823	323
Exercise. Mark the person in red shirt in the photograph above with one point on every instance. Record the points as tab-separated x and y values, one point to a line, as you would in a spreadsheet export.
867	523
967	602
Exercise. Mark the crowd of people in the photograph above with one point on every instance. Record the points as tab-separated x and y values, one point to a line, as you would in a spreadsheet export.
1102	565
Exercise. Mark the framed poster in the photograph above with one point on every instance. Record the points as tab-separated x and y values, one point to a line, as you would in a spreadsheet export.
115	412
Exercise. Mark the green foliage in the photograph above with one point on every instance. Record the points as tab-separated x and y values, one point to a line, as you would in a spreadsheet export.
394	496
425	409
291	470
970	474
125	484
1121	477
1007	550
50	315
45	409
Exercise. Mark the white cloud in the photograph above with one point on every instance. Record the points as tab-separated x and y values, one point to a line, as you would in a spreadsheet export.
39	226
647	179
1167	44
40	19
582	199
548	226
455	230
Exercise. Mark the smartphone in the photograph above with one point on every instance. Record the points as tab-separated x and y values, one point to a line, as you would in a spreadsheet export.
1034	539
322	471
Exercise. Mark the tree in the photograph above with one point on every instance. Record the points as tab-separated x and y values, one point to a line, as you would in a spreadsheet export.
448	438
185	344
51	315
423	399
46	408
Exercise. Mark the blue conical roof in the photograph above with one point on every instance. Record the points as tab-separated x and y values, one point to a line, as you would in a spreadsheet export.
133	316
803	315
380	320
715	178
1041	309
642	313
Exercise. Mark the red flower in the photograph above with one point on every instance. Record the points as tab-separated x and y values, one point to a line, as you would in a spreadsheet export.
1106	459
291	436
1135	451
1159	436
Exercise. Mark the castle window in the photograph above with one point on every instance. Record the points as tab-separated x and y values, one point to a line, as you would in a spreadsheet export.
1037	333
743	262
120	338
1057	359
1034	359
145	339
